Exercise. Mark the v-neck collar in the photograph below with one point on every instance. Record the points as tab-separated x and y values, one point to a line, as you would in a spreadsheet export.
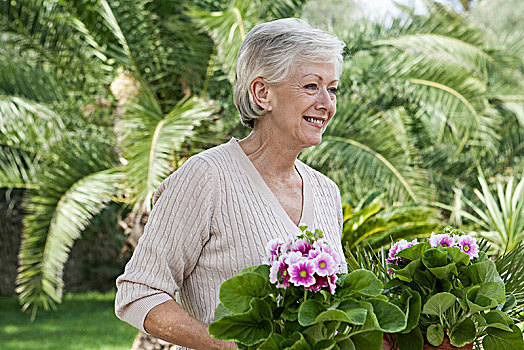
308	209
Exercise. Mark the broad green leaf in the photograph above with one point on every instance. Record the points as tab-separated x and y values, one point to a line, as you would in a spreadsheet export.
248	328
434	258
498	319
272	343
300	343
497	339
360	283
333	315
494	291
309	311
411	341
414	252
262	270
463	333
325	344
477	302
480	272
435	334
411	304
221	311
511	301
346	344
354	311
390	318
444	272
408	271
237	292
368	340
457	255
438	304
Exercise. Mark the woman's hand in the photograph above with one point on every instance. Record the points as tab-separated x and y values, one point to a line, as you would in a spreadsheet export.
171	322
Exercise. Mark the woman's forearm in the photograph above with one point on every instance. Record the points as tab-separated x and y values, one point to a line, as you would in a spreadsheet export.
171	322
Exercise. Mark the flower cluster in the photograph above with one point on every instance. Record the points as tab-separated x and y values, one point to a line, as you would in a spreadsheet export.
306	260
467	244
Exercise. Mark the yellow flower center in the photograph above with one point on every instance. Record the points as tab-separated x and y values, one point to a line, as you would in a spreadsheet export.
303	273
322	265
466	247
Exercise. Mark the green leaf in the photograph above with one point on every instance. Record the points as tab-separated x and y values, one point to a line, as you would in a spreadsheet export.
346	344
444	272
300	342
411	341
272	343
360	283
498	319
367	340
476	302
410	303
457	255
408	271
221	311
237	292
325	344
434	258
435	334
438	304
463	333
481	272
355	313
309	311
414	252
248	328
497	339
389	317
494	291
262	270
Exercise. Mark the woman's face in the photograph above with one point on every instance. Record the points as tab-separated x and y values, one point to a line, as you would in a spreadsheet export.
303	105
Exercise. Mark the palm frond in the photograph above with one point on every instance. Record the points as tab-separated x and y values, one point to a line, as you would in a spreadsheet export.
228	28
28	125
511	269
69	194
17	168
151	139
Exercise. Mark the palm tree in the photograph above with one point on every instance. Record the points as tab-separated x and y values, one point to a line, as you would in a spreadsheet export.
58	137
424	102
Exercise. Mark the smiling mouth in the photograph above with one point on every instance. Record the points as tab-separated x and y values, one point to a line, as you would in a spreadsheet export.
316	121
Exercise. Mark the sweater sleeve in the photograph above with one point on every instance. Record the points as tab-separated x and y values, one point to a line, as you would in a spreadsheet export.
169	249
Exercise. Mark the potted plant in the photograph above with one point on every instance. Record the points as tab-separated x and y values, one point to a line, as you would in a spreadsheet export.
300	300
452	295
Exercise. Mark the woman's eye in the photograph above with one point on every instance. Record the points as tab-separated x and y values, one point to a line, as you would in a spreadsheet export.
333	90
311	86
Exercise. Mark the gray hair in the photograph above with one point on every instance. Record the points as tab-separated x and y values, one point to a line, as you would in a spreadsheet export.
271	51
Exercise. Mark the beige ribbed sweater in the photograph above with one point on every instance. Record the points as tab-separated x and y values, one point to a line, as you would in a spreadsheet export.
212	218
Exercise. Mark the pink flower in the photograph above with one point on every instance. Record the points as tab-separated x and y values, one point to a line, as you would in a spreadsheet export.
331	281
324	264
302	246
278	273
398	247
272	249
301	273
469	246
442	239
320	281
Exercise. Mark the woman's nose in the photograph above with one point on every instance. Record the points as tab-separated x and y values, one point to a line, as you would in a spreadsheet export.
325	100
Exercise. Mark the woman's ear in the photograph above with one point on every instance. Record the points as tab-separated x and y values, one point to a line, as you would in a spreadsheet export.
260	91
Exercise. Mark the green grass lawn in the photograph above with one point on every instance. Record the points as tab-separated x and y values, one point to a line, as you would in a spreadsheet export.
83	321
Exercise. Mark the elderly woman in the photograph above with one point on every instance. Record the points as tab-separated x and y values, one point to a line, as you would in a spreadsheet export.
214	216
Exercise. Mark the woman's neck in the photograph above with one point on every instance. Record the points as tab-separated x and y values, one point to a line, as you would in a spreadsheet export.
270	155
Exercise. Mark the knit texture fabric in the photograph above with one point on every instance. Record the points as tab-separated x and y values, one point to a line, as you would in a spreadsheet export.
212	218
